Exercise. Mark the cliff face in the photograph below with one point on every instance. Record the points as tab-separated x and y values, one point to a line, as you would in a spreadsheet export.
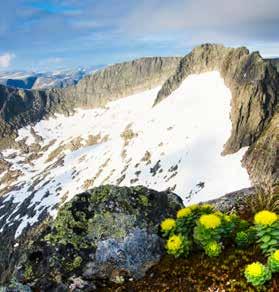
262	158
254	84
121	80
19	108
274	62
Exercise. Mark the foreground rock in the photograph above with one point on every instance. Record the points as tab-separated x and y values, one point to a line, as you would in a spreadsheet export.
106	233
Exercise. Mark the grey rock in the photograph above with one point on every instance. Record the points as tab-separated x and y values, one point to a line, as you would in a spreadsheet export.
136	253
274	62
229	202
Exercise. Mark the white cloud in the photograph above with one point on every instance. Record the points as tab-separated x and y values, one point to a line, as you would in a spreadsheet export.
6	59
202	20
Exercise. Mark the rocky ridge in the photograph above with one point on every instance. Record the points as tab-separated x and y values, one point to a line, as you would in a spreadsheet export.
19	107
254	84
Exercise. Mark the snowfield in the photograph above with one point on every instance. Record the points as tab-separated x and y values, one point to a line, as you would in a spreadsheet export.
177	144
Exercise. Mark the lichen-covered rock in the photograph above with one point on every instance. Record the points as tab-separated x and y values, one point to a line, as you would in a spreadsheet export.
106	233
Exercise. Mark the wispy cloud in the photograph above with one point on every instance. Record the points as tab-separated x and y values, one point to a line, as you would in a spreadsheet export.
6	59
108	30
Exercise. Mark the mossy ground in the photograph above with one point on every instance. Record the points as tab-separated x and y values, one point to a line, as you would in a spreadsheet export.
199	273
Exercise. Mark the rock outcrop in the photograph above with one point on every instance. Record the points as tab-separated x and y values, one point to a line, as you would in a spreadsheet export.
19	107
105	233
274	62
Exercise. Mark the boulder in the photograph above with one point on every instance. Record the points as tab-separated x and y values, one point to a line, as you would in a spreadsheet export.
108	232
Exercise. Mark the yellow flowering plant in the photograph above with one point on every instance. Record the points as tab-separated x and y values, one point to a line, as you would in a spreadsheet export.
184	212
265	218
200	226
187	217
167	226
210	221
267	231
212	249
257	274
273	261
208	229
178	245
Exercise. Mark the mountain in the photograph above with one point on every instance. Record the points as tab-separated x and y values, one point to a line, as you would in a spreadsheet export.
274	62
43	80
200	126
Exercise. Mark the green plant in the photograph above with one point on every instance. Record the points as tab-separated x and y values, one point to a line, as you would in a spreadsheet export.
245	238
167	226
28	272
273	261
257	274
263	199
187	218
213	249
267	231
208	230
178	245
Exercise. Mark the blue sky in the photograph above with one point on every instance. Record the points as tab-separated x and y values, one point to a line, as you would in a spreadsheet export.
50	34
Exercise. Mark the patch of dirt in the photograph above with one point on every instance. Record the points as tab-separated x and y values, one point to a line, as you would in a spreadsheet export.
147	157
127	135
55	153
10	177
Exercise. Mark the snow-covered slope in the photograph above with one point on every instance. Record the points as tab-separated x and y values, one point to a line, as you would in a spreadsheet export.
177	144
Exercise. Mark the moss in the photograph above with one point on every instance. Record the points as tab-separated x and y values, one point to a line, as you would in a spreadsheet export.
100	194
197	273
75	264
144	200
114	225
65	227
28	272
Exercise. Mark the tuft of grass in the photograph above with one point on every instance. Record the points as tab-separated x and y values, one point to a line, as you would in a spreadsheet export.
263	199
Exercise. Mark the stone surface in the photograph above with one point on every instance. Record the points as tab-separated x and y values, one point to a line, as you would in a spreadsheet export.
262	158
229	202
106	233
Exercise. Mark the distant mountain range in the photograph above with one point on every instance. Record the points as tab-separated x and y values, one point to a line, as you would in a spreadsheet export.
44	80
